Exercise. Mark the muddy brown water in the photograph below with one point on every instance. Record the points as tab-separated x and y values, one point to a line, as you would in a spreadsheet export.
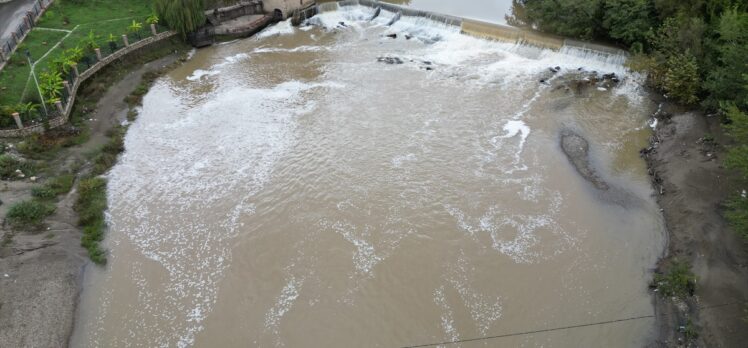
291	190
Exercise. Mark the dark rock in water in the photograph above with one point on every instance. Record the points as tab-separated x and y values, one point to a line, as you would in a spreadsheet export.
428	68
577	150
580	69
390	60
394	36
542	80
552	70
408	37
558	68
342	24
426	62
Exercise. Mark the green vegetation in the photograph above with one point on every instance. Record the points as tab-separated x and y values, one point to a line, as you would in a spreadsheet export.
29	213
184	16
90	206
695	51
66	34
679	281
54	187
9	167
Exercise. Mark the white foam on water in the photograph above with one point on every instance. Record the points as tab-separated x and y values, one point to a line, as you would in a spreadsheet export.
216	68
447	317
283	304
183	209
279	29
485	309
200	73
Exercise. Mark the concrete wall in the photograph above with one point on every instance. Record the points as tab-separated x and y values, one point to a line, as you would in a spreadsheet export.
245	8
63	119
287	7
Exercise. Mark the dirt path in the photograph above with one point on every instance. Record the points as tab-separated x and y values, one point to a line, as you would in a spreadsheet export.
40	271
694	184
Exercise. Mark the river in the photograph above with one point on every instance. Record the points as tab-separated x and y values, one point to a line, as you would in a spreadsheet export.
292	189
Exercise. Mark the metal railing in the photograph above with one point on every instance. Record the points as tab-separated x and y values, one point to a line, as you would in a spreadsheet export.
8	46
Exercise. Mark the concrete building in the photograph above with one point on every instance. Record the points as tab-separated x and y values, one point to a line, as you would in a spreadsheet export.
285	8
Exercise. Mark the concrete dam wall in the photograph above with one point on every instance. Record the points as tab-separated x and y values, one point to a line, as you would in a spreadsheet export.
490	31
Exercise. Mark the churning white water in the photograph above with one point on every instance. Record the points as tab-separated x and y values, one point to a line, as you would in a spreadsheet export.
294	189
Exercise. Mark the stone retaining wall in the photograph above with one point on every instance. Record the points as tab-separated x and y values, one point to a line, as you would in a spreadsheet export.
63	119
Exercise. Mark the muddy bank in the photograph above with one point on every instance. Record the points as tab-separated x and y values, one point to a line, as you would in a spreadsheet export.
691	183
41	268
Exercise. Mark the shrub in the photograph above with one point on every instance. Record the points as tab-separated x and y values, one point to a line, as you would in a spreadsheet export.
682	78
29	213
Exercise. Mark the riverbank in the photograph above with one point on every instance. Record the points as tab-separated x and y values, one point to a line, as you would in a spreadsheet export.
41	266
687	171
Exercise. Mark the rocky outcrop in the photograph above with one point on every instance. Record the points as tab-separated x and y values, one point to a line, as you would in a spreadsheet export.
577	151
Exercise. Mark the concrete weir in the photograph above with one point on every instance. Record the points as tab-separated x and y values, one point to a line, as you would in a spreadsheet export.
485	30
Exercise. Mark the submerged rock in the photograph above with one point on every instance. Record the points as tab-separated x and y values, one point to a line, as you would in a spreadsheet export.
390	60
577	150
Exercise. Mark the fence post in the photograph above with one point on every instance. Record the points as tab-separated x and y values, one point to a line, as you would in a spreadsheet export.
27	19
17	117
75	70
58	104
153	29
98	54
124	39
67	87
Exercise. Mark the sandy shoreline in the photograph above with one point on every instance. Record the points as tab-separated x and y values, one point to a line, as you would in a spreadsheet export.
688	171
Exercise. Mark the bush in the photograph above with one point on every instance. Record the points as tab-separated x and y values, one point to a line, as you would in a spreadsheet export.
677	282
29	213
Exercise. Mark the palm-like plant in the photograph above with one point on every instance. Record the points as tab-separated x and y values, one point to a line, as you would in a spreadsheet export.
112	42
89	41
152	19
135	28
51	85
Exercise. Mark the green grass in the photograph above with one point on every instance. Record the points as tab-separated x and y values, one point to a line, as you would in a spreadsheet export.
103	17
54	187
90	206
678	281
90	11
9	165
29	213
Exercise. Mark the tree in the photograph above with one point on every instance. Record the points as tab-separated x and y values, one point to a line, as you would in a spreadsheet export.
728	79
682	78
184	16
630	21
152	19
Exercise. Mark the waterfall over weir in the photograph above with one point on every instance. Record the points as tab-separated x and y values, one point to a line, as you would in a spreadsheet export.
498	32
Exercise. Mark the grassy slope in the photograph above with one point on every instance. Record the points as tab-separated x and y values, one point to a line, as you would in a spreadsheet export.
103	17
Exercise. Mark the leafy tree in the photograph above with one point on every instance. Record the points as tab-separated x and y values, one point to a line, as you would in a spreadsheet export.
728	79
682	78
184	16
630	21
